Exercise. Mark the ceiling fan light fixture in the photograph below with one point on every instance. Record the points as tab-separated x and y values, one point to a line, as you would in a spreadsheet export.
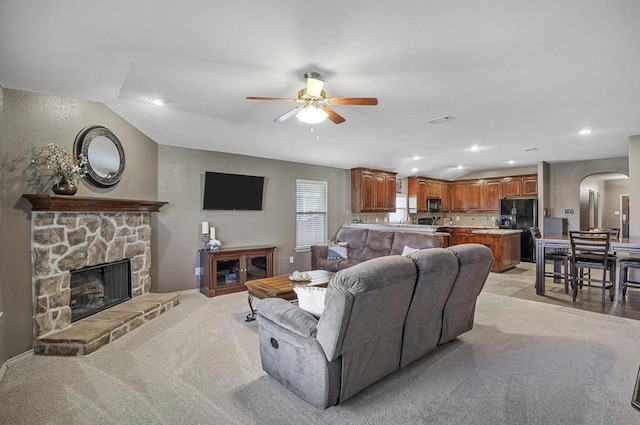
314	86
312	115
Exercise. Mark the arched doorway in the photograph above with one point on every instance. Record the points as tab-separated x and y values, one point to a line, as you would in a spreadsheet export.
604	202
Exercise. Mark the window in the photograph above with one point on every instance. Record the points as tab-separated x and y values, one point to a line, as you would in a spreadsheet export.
311	213
400	216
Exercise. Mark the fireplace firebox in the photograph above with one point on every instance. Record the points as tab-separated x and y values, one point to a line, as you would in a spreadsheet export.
99	287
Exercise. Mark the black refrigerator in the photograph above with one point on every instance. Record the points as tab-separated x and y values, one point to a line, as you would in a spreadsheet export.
521	214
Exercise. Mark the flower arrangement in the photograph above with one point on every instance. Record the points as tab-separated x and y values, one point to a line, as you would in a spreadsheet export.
59	164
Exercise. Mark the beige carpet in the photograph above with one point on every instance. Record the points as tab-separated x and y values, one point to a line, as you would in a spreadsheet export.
525	362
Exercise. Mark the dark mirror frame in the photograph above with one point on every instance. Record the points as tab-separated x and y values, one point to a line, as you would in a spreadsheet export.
81	146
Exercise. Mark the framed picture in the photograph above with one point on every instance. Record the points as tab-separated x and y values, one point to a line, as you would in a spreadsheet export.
635	400
399	185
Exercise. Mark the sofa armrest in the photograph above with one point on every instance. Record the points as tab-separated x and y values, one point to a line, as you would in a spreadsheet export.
318	252
288	316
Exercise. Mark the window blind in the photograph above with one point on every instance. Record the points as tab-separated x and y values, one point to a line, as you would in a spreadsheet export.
311	213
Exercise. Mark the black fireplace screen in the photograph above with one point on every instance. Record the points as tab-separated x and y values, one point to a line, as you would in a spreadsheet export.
96	288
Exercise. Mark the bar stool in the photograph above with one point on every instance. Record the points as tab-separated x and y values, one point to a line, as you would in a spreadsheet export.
590	250
625	265
560	258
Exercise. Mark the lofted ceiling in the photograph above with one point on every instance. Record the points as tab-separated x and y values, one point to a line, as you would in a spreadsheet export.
520	78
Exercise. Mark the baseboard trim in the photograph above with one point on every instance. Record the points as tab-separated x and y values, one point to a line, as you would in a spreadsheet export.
14	361
19	358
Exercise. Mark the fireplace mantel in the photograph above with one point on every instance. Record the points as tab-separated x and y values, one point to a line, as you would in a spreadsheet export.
61	203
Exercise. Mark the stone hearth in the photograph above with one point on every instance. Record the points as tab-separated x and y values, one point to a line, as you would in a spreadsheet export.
87	335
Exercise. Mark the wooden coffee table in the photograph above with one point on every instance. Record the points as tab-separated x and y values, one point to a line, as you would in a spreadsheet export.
281	287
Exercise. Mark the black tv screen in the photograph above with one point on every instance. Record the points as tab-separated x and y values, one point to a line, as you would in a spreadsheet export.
232	192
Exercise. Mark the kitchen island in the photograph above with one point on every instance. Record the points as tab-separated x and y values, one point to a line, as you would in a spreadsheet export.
503	243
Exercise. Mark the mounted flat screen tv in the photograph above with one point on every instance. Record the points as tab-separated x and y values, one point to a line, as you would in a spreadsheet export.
232	192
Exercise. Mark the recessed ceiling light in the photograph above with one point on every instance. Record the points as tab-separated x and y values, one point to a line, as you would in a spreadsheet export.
475	148
158	100
511	162
459	167
413	170
416	157
441	119
584	131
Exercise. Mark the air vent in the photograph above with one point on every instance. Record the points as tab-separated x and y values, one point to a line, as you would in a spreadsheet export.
442	119
531	150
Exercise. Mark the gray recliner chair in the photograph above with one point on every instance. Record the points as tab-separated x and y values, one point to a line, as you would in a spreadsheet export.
356	341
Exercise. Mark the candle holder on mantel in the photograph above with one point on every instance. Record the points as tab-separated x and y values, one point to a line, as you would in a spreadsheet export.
205	240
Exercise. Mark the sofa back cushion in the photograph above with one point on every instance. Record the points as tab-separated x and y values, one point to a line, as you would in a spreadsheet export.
363	319
419	240
437	270
474	262
378	244
355	239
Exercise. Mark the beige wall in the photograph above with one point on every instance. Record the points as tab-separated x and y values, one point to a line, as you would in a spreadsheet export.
30	120
613	190
180	182
634	186
564	184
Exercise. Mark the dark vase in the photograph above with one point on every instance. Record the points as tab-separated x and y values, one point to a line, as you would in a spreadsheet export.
64	188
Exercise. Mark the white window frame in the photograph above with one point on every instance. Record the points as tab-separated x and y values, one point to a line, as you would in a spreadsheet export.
314	209
400	216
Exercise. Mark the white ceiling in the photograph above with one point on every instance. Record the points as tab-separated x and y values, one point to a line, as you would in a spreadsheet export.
515	74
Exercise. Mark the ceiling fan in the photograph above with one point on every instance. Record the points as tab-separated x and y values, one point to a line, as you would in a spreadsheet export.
314	103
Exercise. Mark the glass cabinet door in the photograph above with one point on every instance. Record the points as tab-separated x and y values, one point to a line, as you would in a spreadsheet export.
227	271
256	267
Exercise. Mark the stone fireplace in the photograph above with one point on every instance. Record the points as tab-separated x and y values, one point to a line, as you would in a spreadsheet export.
65	241
83	236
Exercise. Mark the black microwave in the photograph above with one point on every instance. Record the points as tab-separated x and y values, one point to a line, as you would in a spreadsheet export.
434	204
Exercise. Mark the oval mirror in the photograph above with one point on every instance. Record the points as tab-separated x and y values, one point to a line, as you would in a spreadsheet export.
104	153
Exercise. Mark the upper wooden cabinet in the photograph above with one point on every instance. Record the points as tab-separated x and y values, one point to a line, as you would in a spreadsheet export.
520	186
458	196
372	191
484	195
421	188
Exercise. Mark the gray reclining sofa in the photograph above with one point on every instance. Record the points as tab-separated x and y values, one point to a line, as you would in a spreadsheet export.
380	315
365	244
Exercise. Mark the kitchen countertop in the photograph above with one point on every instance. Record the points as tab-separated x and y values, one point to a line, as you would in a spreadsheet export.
496	231
426	228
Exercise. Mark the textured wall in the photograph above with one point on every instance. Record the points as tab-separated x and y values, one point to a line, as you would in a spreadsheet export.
634	186
564	183
30	120
180	182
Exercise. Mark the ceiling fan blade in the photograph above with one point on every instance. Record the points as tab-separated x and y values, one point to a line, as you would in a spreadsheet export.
277	99
333	115
287	114
353	101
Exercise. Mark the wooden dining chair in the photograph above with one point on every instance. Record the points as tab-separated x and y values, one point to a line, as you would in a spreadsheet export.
590	250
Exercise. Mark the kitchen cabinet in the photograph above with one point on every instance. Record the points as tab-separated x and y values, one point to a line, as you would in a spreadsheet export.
446	198
226	270
458	196
460	235
530	186
484	195
421	188
418	193
372	191
520	186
